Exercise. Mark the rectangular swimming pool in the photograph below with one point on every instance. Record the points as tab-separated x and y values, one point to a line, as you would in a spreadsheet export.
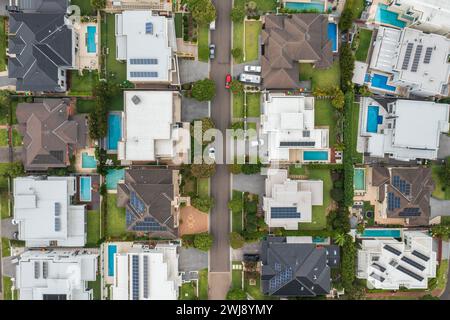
87	161
85	189
380	81
112	249
114	131
359	179
90	39
384	16
315	155
332	35
381	233
113	176
373	119
305	6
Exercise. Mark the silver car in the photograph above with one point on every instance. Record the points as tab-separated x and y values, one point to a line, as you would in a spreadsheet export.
255	69
212	51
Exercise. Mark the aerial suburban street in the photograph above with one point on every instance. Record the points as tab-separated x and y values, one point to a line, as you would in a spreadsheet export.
219	265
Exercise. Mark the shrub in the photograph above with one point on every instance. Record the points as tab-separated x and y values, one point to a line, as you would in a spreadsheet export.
235	205
204	90
203	204
251	168
203	170
236	294
237	53
203	241
203	11
236	240
337	194
347	64
237	14
236	86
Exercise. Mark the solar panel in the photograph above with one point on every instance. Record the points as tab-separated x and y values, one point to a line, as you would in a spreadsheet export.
396	181
416	60
280	279
407	57
136	203
413	263
45	269
143	74
428	53
146	276
149	224
37	269
410	273
135	272
284	213
378	267
392	250
410	212
143	61
393	201
420	255
297	143
377	277
277	266
57	209
149	28
57	224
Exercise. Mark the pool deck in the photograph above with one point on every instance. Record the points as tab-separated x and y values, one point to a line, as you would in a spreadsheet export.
85	59
122	247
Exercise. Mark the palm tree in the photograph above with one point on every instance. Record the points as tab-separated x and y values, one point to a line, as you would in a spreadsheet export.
340	239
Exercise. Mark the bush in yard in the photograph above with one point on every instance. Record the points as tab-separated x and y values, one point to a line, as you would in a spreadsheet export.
203	204
235	168
347	64
237	14
348	256
346	20
441	231
203	11
236	240
236	294
98	4
203	241
236	86
204	90
235	205
337	194
251	168
185	37
12	170
207	123
338	99
237	53
203	170
444	173
251	8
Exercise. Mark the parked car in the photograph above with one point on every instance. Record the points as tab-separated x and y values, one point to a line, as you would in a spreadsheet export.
212	153
250	78
212	51
227	81
256	69
249	257
212	25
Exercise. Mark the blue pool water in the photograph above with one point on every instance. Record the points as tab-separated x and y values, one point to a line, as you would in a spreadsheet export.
373	119
113	176
88	161
380	81
359	179
85	189
381	233
114	130
384	16
91	46
332	35
112	249
315	155
305	6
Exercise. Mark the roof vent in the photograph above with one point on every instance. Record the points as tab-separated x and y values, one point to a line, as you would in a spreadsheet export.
136	100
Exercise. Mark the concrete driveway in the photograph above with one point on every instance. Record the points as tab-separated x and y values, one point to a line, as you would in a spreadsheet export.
439	207
254	183
191	259
444	146
4	154
8	228
5	82
191	70
193	110
252	248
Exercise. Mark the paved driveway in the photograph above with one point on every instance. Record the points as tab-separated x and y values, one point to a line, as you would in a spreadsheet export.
252	248
8	228
191	71
191	259
254	183
439	207
444	146
193	110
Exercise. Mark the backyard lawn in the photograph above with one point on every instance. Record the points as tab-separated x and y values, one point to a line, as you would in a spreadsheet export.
203	187
252	31
8	294
203	284
324	116
441	276
6	252
439	192
321	78
3	137
2	44
96	287
179	25
238	39
237	216
253	105
365	36
115	220
4	198
16	138
238	105
93	228
203	43
85	106
188	291
357	7
85	7
262	5
82	85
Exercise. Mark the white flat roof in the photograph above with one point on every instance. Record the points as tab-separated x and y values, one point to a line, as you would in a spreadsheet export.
436	12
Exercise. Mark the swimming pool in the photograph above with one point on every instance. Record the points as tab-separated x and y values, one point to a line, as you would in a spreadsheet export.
373	119
315	155
305	6
87	161
114	130
85	189
113	176
90	39
384	16
332	35
112	249
381	233
359	179
380	81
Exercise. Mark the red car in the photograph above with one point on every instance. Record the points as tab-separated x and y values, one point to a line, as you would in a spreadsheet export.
227	81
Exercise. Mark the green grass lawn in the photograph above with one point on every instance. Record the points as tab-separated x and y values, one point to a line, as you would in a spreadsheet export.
179	25
3	43
439	192
252	31
441	275
236	276
262	5
203	284
357	157
357	7
8	293
238	105
3	137
14	103
324	116
6	250
115	221
321	78
254	105
4	199
251	125
82	85
255	290
237	216
238	39
96	286
16	138
365	36
203	43
93	228
188	291
85	106
85	7
203	187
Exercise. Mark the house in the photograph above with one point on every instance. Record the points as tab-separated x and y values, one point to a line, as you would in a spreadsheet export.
147	42
55	275
403	194
51	133
289	202
288	128
152	201
41	46
152	129
430	16
147	273
45	214
410	62
389	264
292	268
288	40
155	5
401	129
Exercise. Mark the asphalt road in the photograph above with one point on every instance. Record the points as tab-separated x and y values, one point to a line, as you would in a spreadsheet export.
219	258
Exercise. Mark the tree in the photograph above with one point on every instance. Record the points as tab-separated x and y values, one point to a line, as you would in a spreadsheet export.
204	90
348	256
441	231
338	99
203	11
347	64
251	168
251	8
236	294
98	4
236	240
346	19
236	53
12	170
235	168
203	241
203	204
237	14
236	86
339	239
207	123
203	170
444	173
236	204
337	194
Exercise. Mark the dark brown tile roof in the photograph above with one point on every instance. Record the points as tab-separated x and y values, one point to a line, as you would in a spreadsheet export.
289	39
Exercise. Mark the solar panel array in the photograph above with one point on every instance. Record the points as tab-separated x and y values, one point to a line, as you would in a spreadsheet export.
45	269
37	269
410	273
297	143
378	267
413	263
392	250
57	224
420	255
136	203
377	277
284	213
143	61
281	278
416	60
402	185
410	212
149	28
135	272
130	216
149	224
428	53
407	57
143	74
393	201
145	277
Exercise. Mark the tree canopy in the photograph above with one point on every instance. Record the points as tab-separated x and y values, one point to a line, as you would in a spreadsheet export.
204	90
203	11
203	241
